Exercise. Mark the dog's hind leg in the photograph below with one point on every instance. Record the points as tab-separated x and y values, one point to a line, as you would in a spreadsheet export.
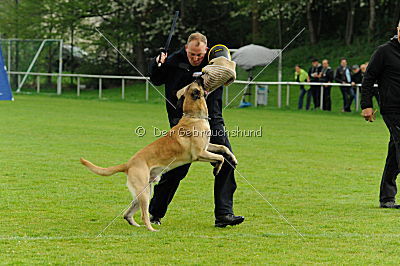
138	180
144	200
128	215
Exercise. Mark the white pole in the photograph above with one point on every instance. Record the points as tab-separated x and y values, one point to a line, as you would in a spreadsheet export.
255	95
280	71
9	61
78	87
60	67
321	100
357	98
287	94
147	90
38	84
31	66
123	89
100	88
279	96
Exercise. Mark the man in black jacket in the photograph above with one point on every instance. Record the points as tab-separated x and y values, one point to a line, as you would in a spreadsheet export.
384	68
343	75
326	76
314	72
176	71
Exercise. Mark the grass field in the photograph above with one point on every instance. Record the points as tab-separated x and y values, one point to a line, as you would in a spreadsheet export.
319	170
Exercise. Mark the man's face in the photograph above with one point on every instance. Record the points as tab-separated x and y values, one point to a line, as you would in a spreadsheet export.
325	64
343	63
297	69
195	53
315	63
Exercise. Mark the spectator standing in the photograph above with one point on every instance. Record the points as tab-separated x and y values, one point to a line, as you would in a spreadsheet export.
343	76
300	75
326	76
314	73
356	78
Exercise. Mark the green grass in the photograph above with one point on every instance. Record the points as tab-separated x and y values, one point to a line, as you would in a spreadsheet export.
320	170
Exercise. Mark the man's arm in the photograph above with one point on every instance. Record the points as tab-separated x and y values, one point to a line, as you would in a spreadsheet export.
372	74
158	74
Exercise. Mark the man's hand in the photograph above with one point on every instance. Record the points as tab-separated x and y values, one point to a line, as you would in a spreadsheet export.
368	114
162	59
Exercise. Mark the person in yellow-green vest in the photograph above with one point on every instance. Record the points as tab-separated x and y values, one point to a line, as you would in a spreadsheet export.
300	75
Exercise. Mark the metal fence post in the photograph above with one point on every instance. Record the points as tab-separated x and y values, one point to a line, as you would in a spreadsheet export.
357	98
38	84
19	80
322	98
100	88
60	67
9	60
279	97
78	86
255	95
123	89
287	95
147	90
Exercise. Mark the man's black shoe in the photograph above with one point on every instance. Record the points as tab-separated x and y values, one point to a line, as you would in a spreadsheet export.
155	220
229	219
389	205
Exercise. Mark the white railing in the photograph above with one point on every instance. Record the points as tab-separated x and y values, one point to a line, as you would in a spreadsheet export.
147	80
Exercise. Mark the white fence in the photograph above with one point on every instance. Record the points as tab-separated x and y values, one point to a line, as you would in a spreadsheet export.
146	79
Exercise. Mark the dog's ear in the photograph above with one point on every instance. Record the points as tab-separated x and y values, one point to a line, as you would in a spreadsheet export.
179	104
181	92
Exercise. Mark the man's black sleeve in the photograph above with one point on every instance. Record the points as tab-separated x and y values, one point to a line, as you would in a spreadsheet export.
329	75
158	75
372	74
338	76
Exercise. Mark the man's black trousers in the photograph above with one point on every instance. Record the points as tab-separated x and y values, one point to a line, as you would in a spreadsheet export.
315	92
224	183
392	166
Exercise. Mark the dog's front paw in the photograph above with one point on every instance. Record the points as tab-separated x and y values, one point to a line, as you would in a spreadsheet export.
233	158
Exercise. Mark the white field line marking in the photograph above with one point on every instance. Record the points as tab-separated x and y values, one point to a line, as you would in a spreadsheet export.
172	234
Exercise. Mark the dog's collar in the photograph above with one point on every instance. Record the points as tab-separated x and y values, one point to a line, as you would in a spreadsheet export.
198	117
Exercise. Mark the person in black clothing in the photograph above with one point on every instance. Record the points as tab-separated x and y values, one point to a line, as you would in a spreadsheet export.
384	68
176	71
356	78
326	76
343	75
314	74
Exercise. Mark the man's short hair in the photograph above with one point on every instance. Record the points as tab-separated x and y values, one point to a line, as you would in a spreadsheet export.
314	60
198	37
343	58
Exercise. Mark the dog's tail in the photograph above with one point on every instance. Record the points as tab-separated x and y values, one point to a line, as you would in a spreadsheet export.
104	171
